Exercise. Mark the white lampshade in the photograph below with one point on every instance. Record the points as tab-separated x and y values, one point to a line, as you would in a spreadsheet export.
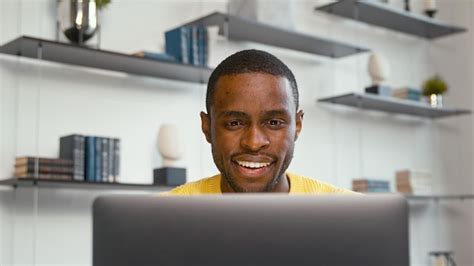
430	4
379	68
169	144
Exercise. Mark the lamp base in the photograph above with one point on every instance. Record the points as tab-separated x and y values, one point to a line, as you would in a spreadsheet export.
169	176
431	13
380	90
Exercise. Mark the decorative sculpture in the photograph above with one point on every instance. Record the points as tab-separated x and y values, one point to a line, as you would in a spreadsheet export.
169	146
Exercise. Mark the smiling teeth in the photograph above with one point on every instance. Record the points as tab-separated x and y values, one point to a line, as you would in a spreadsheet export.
252	164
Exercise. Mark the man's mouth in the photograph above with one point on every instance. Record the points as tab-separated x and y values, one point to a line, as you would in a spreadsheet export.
252	169
253	165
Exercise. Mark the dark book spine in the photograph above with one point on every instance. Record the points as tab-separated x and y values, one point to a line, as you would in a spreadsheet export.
43	161
205	47
184	44
194	56
46	176
41	165
72	147
82	159
202	42
98	160
111	155
90	159
105	159
31	169
116	173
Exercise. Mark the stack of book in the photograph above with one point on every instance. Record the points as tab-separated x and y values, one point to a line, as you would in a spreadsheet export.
155	56
370	185
407	93
95	159
43	168
189	45
413	182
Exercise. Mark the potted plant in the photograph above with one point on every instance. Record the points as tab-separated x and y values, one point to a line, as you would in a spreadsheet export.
433	88
102	3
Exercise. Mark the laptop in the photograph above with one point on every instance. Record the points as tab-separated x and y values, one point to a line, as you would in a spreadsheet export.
250	230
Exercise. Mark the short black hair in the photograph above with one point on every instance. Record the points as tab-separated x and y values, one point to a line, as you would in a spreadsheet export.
250	61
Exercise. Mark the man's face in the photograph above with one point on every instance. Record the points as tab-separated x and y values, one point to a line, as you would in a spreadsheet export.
252	127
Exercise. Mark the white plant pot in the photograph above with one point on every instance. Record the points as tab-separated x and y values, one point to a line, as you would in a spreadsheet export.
436	100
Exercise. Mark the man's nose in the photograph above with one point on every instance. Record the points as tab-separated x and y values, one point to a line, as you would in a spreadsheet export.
254	139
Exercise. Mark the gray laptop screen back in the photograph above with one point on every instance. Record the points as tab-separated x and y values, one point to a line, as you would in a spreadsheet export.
250	230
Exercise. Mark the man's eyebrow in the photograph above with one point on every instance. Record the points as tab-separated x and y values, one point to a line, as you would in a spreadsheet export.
278	112
232	114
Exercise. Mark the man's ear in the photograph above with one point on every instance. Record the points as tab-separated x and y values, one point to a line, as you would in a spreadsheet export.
299	123
205	126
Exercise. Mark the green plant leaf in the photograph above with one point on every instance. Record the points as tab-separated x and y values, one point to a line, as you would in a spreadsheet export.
434	85
102	3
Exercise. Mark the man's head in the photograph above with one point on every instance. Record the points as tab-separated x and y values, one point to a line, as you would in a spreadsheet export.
250	61
252	121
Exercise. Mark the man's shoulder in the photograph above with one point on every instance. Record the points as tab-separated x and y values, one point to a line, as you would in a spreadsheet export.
304	184
209	185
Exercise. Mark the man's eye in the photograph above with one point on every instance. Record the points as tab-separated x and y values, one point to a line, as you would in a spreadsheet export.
275	123
234	124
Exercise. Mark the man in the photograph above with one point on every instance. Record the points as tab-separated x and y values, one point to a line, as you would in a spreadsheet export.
252	123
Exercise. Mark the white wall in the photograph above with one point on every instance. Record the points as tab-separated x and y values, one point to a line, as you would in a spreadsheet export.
42	101
6	225
456	137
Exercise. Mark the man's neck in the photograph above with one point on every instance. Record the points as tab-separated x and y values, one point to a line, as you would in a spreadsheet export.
283	186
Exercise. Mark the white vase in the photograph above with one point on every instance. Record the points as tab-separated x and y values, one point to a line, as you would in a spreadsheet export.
378	68
77	19
169	144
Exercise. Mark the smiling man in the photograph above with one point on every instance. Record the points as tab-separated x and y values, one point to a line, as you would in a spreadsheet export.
252	123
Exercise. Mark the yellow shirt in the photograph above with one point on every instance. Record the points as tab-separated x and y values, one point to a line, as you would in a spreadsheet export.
298	185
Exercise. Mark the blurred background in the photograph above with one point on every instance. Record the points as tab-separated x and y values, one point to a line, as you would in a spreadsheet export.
390	140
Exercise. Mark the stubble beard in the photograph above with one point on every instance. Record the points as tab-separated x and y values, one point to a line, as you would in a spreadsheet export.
236	188
269	187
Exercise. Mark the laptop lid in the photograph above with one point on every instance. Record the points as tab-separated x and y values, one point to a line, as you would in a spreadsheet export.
250	230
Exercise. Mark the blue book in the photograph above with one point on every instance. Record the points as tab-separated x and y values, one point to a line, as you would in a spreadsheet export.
105	160
90	159
206	47
111	155
195	46
202	45
116	171
98	160
177	42
380	190
155	56
378	183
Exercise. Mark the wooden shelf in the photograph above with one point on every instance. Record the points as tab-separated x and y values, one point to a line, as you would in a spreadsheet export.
393	105
384	15
82	56
238	28
30	182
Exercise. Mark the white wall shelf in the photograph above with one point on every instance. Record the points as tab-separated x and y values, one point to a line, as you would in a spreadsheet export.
393	105
237	28
383	15
82	56
30	182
